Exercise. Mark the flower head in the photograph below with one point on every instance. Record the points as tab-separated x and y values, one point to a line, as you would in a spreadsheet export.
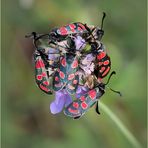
87	64
81	90
62	99
53	54
79	42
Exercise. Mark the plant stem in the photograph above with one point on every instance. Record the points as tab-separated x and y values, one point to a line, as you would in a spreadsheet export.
121	126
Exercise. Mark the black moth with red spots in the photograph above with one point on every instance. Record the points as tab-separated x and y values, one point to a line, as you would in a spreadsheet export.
79	107
62	62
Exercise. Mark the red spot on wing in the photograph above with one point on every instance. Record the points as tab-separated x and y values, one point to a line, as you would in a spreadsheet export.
63	31
56	78
102	69
72	26
84	105
46	83
44	88
100	63
71	76
101	55
75	81
73	111
72	30
74	64
92	94
106	71
82	98
44	74
106	62
82	26
63	62
39	64
79	28
39	77
62	75
75	105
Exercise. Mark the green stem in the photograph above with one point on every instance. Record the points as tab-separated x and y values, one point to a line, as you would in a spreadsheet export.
121	126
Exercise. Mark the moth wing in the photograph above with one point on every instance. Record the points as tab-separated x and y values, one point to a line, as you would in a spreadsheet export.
60	79
78	107
104	64
72	75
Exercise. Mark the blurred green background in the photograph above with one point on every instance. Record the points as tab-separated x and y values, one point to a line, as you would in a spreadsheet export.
26	120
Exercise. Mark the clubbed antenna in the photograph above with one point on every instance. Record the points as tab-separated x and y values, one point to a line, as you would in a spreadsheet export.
112	73
33	34
35	37
104	15
118	92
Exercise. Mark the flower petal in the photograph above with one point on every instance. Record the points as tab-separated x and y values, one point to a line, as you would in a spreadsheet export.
81	90
68	99
57	105
79	42
53	54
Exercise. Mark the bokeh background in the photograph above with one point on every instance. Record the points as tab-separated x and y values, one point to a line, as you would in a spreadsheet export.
26	119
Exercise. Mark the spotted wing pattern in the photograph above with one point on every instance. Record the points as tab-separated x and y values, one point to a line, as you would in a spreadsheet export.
60	79
72	28
78	107
66	75
41	76
72	75
66	69
104	64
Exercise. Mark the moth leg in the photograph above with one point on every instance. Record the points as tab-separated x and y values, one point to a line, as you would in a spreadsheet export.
77	117
42	77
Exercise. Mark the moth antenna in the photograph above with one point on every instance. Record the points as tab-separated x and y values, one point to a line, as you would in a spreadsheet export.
112	73
33	34
104	15
118	92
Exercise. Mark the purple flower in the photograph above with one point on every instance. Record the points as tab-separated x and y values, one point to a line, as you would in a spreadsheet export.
87	64
88	59
53	54
89	68
81	90
79	42
62	99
